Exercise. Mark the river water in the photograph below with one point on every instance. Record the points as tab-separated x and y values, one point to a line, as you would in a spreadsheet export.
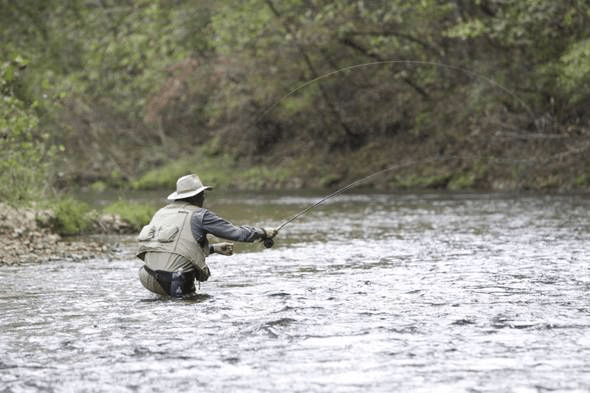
367	293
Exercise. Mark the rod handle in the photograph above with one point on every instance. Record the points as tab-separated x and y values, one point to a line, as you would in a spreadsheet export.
268	242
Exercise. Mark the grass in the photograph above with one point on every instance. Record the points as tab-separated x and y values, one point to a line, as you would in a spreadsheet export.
461	181
70	217
219	171
214	170
135	214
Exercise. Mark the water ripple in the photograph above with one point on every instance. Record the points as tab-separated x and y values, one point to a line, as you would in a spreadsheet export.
379	293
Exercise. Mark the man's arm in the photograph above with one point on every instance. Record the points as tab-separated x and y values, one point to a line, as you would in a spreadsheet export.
204	222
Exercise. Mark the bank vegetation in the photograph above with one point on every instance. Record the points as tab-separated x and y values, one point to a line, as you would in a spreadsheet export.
284	94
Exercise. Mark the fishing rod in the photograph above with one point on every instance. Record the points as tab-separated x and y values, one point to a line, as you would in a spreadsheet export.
269	242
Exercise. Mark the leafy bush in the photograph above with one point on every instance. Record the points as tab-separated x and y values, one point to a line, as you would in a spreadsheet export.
135	214
214	171
23	152
576	70
71	217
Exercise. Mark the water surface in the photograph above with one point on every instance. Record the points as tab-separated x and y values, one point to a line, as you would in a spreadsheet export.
370	292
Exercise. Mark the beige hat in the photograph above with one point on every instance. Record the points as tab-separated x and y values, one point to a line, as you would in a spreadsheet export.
187	186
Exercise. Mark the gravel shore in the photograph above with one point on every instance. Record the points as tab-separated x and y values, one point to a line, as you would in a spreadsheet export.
23	240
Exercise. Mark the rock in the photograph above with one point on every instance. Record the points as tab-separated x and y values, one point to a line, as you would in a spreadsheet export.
23	240
112	223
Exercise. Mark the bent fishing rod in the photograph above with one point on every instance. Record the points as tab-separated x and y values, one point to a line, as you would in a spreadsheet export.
269	242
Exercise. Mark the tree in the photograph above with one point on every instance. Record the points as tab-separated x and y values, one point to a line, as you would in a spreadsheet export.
23	150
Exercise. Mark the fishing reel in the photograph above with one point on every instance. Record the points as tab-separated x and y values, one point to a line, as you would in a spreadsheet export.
268	242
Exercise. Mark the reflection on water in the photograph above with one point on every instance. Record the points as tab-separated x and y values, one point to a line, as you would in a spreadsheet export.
380	293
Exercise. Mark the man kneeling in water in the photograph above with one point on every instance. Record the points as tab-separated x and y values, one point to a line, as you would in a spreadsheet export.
174	244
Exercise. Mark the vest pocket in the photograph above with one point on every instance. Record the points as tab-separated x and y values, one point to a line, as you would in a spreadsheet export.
147	233
167	233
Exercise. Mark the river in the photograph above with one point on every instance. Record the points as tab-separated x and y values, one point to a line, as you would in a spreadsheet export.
367	293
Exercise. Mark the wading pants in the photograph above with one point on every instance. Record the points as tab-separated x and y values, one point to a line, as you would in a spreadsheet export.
175	284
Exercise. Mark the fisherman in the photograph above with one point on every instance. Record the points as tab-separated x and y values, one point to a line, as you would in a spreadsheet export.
174	245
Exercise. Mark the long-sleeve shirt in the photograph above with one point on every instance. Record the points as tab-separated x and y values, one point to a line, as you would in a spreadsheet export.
205	222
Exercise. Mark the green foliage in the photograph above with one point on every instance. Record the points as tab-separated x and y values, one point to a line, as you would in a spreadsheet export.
421	181
329	180
575	70
582	180
218	171
239	25
467	30
540	44
461	181
24	150
423	121
165	176
123	54
213	170
134	213
122	87
547	182
260	177
71	217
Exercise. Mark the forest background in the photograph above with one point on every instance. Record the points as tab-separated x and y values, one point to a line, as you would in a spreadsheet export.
284	94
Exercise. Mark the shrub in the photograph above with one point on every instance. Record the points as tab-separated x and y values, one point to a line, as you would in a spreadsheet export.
71	217
135	214
23	153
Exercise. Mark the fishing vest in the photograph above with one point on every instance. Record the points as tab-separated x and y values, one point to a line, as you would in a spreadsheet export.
169	232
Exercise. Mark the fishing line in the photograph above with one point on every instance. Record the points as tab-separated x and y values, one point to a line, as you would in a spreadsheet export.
269	242
416	62
354	184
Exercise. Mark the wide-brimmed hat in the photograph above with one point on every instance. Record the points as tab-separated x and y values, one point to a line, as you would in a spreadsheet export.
187	186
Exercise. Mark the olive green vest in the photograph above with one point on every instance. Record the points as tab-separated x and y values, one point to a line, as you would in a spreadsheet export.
169	233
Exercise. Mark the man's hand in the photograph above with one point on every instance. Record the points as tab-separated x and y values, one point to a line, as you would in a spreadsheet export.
269	233
224	248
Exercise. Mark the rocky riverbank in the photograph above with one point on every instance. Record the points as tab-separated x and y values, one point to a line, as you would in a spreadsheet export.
24	240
